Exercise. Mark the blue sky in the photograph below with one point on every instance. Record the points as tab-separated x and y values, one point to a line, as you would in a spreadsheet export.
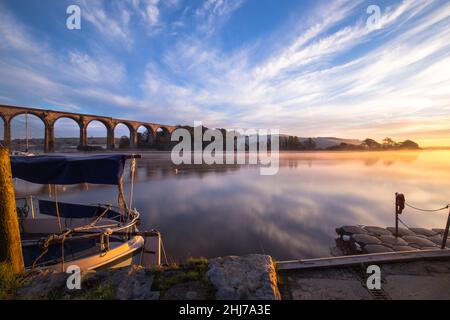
309	68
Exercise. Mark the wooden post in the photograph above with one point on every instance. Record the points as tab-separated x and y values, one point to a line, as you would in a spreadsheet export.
10	243
396	217
444	240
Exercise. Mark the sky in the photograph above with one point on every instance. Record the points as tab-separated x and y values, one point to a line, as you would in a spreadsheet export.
307	68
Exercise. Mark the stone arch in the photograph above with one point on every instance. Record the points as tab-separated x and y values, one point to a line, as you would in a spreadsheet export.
145	136
35	129
97	132
123	135
2	129
66	138
162	138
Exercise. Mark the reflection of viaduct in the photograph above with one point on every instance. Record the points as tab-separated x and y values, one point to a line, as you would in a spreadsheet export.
49	117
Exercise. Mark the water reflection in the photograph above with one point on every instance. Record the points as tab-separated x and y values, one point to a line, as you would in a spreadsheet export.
230	209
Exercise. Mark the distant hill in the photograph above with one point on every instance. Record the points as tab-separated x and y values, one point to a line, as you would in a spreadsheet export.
326	142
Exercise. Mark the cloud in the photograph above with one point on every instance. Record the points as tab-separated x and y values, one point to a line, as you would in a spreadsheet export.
302	89
113	25
329	75
214	13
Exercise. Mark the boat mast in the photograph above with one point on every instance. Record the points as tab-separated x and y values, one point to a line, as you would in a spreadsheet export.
26	132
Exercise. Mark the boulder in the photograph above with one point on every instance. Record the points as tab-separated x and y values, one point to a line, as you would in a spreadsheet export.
415	241
393	241
365	239
129	283
403	248
377	248
349	230
437	239
249	277
377	231
43	284
424	232
191	290
401	231
437	230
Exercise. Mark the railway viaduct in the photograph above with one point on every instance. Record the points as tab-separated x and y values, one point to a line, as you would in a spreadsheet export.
49	117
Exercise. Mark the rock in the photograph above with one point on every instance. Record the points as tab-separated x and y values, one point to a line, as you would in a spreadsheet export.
424	232
249	277
135	283
377	231
440	231
404	248
365	239
43	284
436	239
415	241
328	289
336	252
401	231
349	230
393	241
414	287
191	290
130	283
377	248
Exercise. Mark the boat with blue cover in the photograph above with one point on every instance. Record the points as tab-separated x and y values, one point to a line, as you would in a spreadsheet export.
57	234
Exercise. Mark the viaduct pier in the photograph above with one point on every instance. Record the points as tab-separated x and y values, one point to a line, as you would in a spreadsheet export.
50	117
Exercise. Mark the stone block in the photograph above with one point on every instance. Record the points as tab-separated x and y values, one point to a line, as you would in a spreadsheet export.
249	277
376	248
401	231
377	231
418	241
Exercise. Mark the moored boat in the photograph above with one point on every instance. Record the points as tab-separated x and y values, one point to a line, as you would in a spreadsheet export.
57	234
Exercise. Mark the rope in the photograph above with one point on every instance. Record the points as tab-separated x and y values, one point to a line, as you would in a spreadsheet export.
164	252
57	208
133	169
427	210
404	224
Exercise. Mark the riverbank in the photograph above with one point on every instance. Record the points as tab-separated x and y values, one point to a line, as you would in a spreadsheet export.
250	277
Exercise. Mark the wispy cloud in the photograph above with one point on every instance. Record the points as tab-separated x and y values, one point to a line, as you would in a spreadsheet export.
329	75
214	13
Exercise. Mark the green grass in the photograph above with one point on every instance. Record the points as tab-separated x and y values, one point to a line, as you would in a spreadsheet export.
9	282
104	291
194	270
198	263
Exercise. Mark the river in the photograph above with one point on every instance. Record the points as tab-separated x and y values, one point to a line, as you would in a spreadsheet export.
232	210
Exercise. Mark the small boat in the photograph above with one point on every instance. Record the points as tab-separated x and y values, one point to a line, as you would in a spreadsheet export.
22	153
56	235
26	152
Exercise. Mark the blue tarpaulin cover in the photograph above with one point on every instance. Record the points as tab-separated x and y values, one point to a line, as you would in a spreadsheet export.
59	169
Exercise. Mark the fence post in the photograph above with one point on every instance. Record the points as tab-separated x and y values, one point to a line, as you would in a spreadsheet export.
444	240
10	243
396	221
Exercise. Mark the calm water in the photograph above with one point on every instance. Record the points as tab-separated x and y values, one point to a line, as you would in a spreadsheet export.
213	211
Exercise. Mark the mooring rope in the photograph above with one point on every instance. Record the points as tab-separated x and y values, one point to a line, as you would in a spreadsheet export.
132	169
427	210
404	224
57	208
164	251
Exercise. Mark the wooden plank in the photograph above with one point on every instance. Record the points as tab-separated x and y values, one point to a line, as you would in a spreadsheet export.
374	258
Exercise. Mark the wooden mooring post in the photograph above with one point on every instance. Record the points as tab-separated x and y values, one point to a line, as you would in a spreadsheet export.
10	242
444	238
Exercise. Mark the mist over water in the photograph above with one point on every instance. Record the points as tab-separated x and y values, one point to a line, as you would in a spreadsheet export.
232	210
